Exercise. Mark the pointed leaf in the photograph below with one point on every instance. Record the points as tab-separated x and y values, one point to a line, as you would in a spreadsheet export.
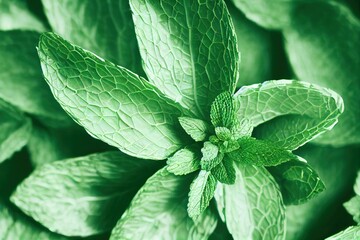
183	162
196	128
15	130
348	234
22	83
224	172
103	27
209	151
14	225
260	153
298	181
82	196
158	211
209	164
222	112
201	192
189	50
353	208
252	207
320	55
110	102
310	110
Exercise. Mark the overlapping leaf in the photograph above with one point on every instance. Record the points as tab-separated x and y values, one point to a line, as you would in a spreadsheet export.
158	211
110	102
103	27
82	196
252	208
307	111
189	49
348	234
22	83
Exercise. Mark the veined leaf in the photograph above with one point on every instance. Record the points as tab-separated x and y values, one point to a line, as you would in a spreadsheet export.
15	130
82	196
260	153
298	181
158	211
224	172
14	14
252	207
14	225
189	49
110	102
209	151
316	110
183	162
223	111
353	207
348	234
22	83
318	54
196	128
103	27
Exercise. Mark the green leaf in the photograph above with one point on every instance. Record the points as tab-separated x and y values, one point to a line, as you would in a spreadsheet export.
14	225
110	102
82	196
14	14
183	162
224	172
298	181
189	50
158	211
308	110
353	207
223	133
348	234
22	83
201	192
242	128
260	153
223	111
252	207
255	48
15	130
103	27
209	151
208	164
320	55
196	128
357	184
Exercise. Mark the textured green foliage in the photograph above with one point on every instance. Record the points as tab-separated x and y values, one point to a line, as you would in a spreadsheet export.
183	162
94	192
252	208
353	207
110	102
350	233
14	14
208	164
260	153
322	45
223	111
224	172
158	211
196	128
209	151
14	225
21	81
201	192
189	49
307	110
103	27
298	181
15	129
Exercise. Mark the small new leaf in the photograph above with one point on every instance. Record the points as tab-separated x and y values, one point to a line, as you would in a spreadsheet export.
196	128
223	133
222	113
353	207
183	162
224	172
260	153
209	164
201	192
209	151
298	181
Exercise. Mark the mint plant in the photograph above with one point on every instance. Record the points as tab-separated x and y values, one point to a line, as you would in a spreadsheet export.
217	167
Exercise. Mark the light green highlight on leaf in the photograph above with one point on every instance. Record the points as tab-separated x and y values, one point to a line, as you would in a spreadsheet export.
223	111
353	207
348	234
224	172
209	151
196	128
209	164
183	162
158	211
201	192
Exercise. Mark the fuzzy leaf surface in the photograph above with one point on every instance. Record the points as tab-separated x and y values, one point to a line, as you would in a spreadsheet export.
305	110
189	49
82	196
158	211
110	102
